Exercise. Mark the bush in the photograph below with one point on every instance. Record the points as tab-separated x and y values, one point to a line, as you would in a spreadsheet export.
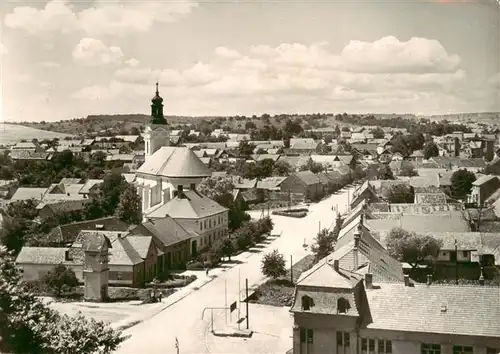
195	266
273	265
60	281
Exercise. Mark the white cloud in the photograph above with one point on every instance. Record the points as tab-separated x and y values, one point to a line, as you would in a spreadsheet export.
295	76
94	52
50	64
132	62
224	52
118	17
389	55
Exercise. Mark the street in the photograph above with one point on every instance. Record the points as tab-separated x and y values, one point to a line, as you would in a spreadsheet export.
183	320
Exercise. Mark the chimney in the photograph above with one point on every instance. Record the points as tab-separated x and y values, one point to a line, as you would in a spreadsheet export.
357	235
429	279
369	280
407	280
336	265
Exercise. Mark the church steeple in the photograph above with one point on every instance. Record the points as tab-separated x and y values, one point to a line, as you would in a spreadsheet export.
157	109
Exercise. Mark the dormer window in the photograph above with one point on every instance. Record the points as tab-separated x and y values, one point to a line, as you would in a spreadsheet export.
342	305
307	303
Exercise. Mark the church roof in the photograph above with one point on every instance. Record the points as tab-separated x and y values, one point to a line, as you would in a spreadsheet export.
179	162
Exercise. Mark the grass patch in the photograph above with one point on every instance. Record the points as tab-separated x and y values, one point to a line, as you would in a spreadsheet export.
279	292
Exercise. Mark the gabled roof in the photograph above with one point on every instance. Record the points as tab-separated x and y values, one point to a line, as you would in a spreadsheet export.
29	193
442	309
270	183
323	274
166	230
41	255
484	179
307	177
89	184
178	162
67	233
191	205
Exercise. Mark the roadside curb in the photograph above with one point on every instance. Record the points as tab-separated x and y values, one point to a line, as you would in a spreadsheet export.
134	322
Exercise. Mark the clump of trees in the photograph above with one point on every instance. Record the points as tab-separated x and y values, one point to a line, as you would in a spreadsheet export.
412	248
461	183
430	150
401	193
30	326
60	280
273	265
323	244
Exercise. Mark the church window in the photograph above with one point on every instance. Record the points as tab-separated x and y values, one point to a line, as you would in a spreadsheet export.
307	303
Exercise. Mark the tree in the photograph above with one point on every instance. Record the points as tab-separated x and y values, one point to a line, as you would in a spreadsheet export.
227	248
129	207
461	183
338	226
282	168
111	188
245	148
430	150
401	193
310	165
30	326
378	133
60	280
385	172
412	248
408	170
323	244
273	265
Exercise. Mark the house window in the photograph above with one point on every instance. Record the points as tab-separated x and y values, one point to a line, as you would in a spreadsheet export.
343	340
427	348
307	303
310	336
205	224
460	349
465	254
367	345
119	276
384	346
201	226
210	223
303	335
306	336
492	350
342	305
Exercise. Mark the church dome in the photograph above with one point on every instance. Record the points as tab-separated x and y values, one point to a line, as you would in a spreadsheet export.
157	98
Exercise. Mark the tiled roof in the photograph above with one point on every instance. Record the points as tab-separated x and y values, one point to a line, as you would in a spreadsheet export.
191	205
307	177
243	183
438	222
420	209
87	186
63	205
324	302
270	183
430	198
443	309
171	161
484	179
29	155
323	274
67	233
41	255
303	144
69	181
261	157
29	193
166	229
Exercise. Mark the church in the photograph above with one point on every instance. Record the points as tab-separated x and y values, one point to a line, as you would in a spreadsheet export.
167	184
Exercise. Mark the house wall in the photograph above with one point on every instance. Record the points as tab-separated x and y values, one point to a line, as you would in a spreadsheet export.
210	229
94	282
176	255
33	272
445	256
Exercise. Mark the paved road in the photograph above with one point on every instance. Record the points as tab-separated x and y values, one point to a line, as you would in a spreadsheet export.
184	319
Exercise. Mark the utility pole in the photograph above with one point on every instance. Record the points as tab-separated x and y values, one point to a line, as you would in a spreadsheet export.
239	298
225	299
246	300
291	269
456	262
177	345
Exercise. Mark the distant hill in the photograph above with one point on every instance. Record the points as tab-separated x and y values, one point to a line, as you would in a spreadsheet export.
482	117
11	133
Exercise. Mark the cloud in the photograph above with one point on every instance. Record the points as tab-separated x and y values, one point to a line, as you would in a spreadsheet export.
389	55
50	64
93	52
132	62
418	74
494	81
117	18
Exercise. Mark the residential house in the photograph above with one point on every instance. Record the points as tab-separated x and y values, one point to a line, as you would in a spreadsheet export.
303	146
28	155
304	182
340	311
399	166
482	188
171	239
207	219
64	235
27	193
364	193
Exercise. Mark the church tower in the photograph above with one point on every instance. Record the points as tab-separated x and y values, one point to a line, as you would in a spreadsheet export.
156	134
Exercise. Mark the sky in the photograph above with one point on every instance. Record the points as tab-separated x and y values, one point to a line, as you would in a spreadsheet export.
68	59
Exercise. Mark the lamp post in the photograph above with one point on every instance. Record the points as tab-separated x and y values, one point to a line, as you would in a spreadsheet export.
177	345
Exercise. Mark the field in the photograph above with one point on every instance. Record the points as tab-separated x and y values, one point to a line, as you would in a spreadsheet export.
11	133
